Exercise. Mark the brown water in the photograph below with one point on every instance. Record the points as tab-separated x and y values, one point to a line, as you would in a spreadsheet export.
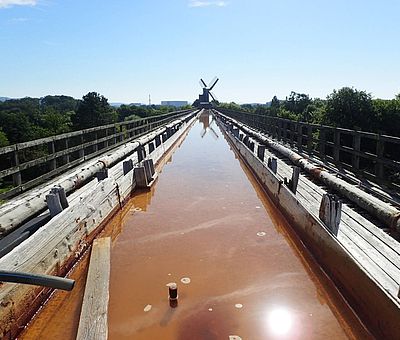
205	221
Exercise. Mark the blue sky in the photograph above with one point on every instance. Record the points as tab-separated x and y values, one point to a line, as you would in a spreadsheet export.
128	49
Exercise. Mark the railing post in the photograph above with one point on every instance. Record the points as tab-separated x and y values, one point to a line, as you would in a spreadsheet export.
322	140
82	150
336	148
17	181
52	150
300	137
356	149
95	146
309	139
66	145
380	149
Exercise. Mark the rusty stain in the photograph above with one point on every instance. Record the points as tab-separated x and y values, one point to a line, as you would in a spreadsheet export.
182	231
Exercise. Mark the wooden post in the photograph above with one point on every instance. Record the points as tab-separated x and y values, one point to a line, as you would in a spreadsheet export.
356	148
261	152
59	190
66	157
330	212
158	141
336	150
95	146
292	183
141	152
149	169
53	203
309	139
17	181
322	141
151	147
82	150
272	163
102	174
52	150
380	149
127	166
93	322
300	137
140	177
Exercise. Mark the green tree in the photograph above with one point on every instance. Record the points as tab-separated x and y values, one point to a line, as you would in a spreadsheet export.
3	139
297	103
93	110
350	108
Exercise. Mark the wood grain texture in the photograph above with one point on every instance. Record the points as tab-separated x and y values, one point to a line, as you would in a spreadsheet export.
94	313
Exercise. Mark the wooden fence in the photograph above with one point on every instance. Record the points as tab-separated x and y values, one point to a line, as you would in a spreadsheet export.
25	165
368	155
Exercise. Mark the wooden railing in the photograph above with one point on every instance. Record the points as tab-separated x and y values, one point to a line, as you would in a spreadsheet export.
25	165
368	155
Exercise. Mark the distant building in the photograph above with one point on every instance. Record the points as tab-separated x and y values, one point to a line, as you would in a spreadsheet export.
176	103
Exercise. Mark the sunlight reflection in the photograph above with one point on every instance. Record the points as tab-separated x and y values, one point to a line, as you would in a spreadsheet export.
280	321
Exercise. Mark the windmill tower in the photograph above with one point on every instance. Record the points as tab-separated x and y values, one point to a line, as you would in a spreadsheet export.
204	99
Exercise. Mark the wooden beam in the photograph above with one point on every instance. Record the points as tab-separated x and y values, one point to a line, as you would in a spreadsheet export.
93	321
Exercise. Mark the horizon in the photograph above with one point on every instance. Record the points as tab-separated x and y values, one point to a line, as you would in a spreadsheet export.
126	51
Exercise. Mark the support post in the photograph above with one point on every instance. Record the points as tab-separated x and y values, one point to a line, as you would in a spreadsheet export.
151	147
330	212
102	174
127	166
292	183
140	177
17	181
158	141
273	164
59	190
261	152
149	169
141	153
52	150
54	204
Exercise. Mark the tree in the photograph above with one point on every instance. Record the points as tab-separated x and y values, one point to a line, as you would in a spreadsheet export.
93	110
3	139
297	103
351	109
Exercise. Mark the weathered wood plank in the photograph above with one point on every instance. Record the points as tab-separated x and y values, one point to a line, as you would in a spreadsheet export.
93	320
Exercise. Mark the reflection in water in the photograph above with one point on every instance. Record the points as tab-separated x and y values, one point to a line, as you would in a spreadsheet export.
279	321
204	118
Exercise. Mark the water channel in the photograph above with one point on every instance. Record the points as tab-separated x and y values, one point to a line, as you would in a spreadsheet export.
207	226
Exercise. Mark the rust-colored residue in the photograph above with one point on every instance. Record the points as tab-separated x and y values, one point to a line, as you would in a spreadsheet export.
206	227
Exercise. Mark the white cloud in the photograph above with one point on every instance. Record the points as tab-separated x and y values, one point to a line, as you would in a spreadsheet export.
9	3
199	3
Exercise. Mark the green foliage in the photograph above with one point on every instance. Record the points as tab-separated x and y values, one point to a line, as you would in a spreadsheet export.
3	139
350	108
297	103
388	115
94	110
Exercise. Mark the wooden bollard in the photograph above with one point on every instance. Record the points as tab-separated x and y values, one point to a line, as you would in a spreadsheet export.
148	169
251	146
59	190
151	147
158	141
140	177
273	164
292	183
330	212
141	152
261	152
54	204
127	166
164	137
102	174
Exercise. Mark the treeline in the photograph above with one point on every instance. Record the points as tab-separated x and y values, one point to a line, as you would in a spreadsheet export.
26	119
347	108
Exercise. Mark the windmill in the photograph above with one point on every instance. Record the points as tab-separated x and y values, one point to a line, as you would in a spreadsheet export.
204	99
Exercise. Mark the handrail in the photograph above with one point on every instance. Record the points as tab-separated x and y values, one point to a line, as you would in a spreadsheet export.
30	163
368	155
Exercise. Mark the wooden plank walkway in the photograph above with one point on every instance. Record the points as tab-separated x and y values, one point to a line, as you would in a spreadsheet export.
359	233
93	322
